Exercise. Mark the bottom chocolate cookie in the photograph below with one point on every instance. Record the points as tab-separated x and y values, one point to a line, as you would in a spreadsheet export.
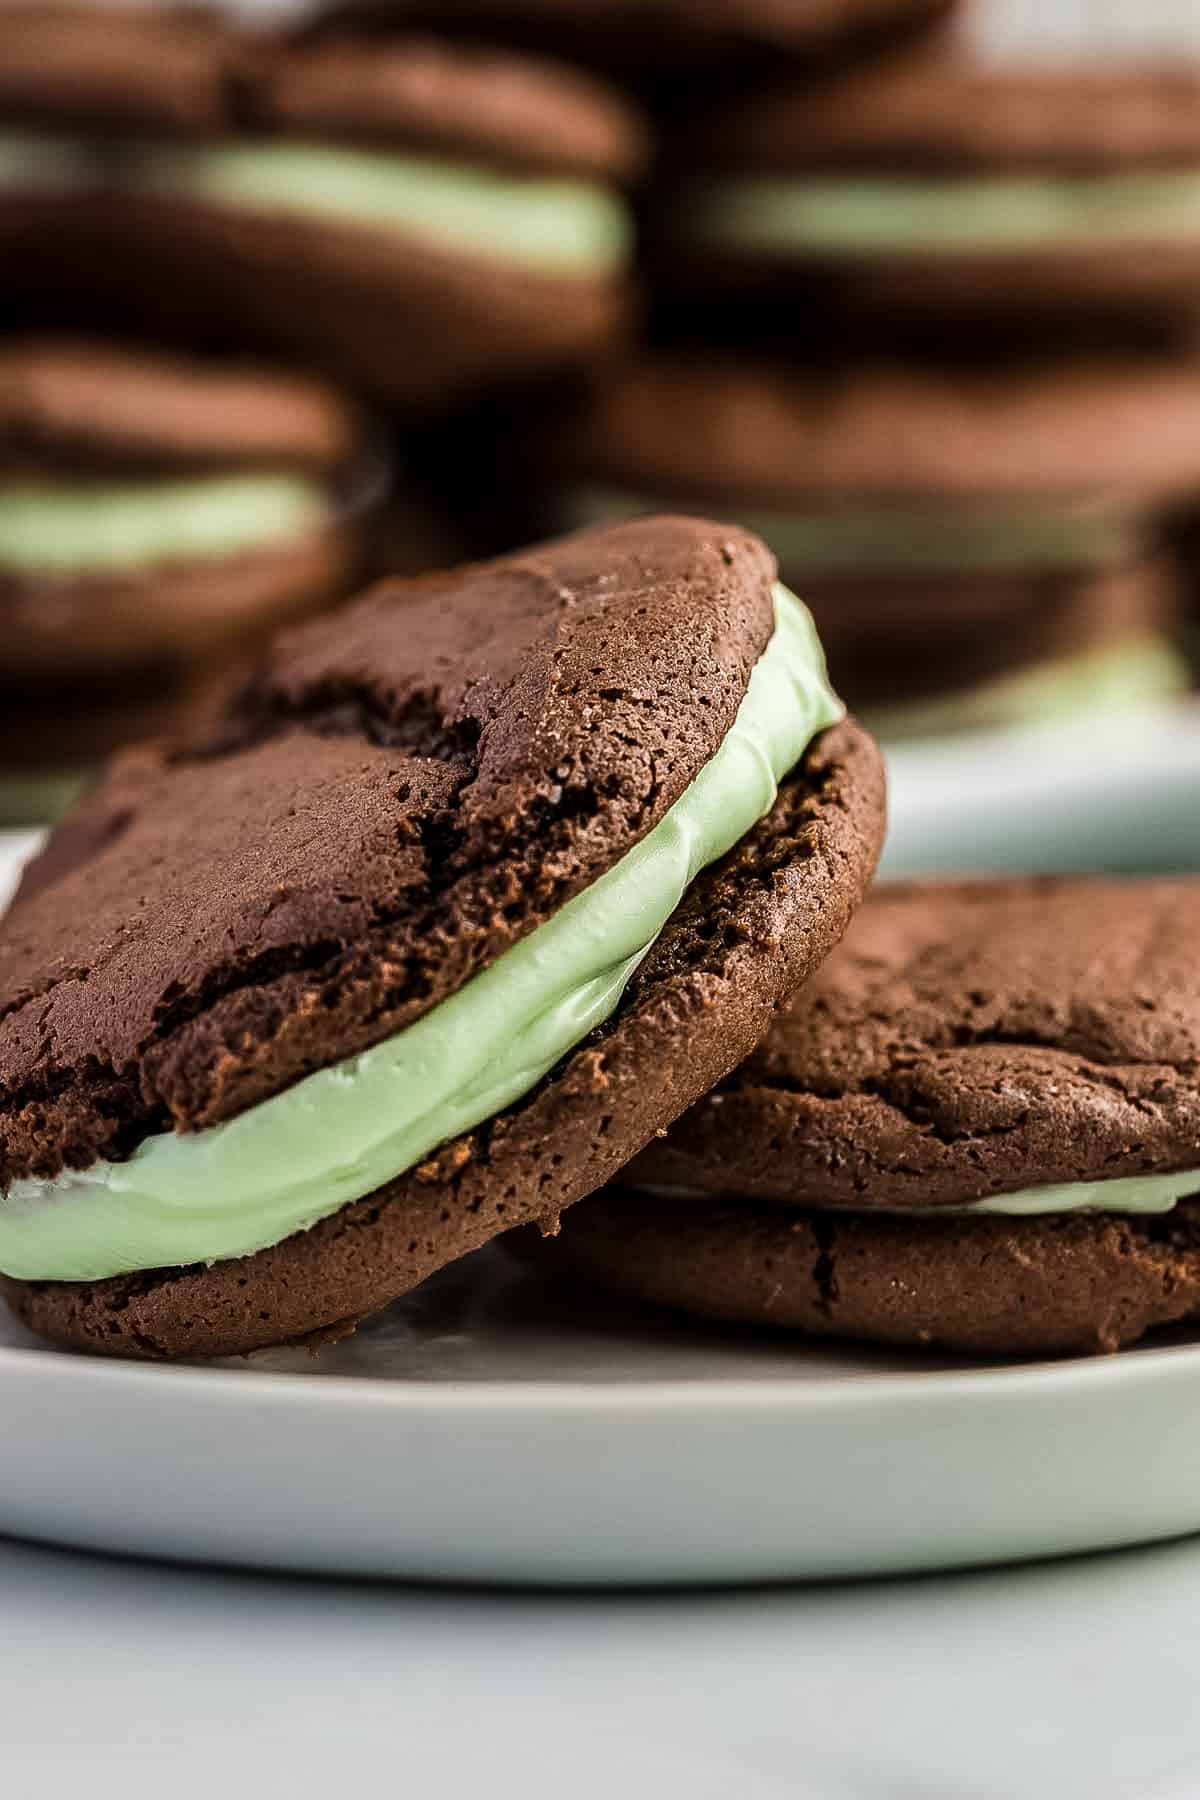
1052	1286
977	1126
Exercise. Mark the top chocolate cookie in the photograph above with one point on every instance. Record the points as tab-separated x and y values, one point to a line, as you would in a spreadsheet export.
406	790
78	402
124	67
720	429
946	111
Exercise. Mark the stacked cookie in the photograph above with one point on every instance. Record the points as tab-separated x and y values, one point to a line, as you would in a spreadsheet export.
977	1127
158	518
978	548
890	297
420	219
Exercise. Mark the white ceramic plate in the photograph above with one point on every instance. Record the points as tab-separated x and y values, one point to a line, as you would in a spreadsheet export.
487	1430
1121	794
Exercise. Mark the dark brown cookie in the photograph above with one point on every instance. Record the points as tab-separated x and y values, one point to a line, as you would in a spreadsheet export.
63	729
74	414
410	311
398	798
184	614
77	69
1052	1286
1079	446
413	304
93	405
465	101
948	114
968	1039
769	433
941	110
893	639
410	323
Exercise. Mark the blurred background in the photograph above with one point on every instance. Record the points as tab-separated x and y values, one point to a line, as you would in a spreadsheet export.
298	296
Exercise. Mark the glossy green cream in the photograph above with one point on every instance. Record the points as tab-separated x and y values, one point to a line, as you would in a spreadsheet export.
346	1130
557	224
887	215
1123	1194
56	529
39	164
1120	679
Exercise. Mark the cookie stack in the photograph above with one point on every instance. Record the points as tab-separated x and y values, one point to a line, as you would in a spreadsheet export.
420	219
977	1127
159	516
902	304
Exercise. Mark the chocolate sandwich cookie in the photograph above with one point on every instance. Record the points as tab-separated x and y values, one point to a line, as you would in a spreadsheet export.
422	219
75	82
475	889
944	185
979	545
159	516
977	1127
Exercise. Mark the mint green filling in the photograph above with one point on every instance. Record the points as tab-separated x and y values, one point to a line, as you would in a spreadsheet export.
37	799
543	222
1115	680
35	164
346	1130
891	215
1124	1194
904	537
104	527
1128	1194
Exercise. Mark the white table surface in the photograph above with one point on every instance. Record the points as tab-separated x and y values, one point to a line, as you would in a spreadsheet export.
1065	1680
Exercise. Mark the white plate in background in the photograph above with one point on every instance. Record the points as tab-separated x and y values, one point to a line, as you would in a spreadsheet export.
1121	794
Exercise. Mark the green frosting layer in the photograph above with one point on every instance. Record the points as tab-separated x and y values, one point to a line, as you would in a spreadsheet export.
38	798
907	537
891	215
37	164
57	529
1124	1194
1119	679
346	1130
1127	1194
543	222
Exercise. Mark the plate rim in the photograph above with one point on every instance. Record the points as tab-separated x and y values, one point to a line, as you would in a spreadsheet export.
1053	1379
